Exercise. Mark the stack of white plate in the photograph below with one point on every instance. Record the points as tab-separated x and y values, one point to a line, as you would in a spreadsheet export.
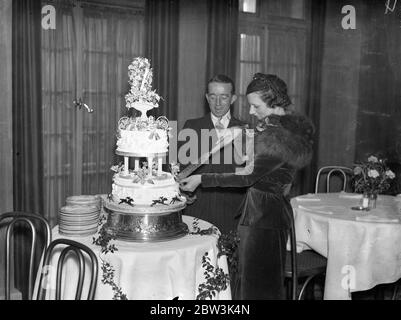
78	220
84	200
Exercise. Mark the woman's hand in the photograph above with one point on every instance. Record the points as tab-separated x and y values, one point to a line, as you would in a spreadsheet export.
190	183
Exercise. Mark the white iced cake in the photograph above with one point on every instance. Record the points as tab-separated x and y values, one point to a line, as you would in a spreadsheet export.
138	190
143	136
146	192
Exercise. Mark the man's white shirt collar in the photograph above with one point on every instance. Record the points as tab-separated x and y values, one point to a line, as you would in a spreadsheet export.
225	120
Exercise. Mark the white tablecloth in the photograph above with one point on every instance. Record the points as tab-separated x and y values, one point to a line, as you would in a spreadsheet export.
363	248
148	271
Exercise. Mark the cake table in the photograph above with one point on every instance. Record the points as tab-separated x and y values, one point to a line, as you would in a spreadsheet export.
148	271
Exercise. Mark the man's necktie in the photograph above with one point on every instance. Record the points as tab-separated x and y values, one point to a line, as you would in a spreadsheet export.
219	126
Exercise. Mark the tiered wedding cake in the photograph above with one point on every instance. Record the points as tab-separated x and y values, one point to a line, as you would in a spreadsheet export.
145	203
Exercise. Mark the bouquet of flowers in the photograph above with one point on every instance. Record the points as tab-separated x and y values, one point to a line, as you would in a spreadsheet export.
373	176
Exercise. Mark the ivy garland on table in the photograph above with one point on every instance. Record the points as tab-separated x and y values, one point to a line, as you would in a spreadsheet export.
216	280
228	245
108	278
103	241
104	238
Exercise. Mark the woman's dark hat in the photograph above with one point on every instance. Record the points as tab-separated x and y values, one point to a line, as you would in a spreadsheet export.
265	82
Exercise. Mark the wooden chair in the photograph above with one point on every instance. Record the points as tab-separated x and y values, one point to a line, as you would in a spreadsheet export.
78	249
17	217
328	171
306	266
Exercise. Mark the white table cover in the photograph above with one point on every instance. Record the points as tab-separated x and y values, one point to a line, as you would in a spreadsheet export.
361	254
149	271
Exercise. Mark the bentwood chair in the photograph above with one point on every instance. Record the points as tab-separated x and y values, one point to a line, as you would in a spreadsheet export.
304	266
329	172
37	225
70	246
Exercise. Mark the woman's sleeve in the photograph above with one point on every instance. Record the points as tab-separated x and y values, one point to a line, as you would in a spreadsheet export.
245	177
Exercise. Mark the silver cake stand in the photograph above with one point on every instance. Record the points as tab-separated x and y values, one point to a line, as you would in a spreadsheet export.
145	224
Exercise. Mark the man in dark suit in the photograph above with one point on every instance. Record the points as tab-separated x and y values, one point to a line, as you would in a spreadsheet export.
218	206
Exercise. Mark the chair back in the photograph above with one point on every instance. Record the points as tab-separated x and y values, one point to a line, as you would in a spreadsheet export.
18	217
293	244
294	269
78	249
328	171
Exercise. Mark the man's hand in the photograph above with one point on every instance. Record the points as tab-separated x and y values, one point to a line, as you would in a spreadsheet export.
190	183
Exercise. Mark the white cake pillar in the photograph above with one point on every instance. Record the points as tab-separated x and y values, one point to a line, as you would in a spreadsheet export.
150	165
136	164
126	168
159	166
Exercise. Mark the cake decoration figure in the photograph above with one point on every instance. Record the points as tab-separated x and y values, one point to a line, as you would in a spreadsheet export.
141	96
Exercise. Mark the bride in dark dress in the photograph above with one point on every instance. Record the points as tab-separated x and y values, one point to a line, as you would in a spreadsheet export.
282	145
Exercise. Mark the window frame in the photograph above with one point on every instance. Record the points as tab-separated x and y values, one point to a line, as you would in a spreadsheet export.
253	14
249	22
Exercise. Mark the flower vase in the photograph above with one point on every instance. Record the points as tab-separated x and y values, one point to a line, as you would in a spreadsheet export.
365	201
372	200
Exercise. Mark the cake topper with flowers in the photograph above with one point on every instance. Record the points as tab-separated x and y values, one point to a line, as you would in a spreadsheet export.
141	96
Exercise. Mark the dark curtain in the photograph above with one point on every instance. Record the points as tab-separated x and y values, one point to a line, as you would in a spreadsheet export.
27	118
162	18
222	37
315	45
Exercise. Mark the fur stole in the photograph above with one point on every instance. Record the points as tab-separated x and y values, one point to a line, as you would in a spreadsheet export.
288	138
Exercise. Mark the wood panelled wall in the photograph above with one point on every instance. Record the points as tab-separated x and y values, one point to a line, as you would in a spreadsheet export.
192	60
379	112
360	104
340	83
